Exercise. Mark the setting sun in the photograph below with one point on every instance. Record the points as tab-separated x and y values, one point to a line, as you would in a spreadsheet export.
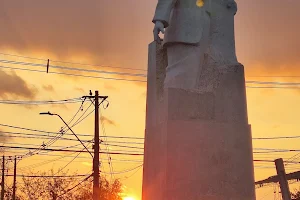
129	198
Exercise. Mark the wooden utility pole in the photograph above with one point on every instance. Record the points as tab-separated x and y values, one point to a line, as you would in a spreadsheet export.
96	147
96	163
284	186
2	183
15	180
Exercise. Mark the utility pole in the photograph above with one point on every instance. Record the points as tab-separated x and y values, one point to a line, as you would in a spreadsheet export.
2	183
15	180
284	186
96	163
96	147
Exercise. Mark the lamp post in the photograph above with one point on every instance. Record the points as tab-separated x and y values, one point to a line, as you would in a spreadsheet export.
49	113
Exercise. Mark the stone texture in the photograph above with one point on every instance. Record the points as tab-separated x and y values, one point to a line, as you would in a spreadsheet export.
197	145
153	170
157	63
224	102
198	160
208	160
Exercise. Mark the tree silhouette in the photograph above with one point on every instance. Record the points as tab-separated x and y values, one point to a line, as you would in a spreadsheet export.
62	186
295	195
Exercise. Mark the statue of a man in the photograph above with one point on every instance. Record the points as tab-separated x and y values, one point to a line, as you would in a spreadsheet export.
191	28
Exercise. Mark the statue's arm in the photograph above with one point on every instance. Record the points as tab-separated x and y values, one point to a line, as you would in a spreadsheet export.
163	11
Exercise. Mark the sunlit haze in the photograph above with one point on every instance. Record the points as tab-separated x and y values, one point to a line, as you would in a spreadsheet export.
128	198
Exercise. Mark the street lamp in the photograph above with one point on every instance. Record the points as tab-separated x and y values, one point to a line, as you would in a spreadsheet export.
49	113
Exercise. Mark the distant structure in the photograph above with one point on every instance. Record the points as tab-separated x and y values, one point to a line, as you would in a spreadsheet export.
198	143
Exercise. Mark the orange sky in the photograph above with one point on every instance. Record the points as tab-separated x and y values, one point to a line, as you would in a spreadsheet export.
117	34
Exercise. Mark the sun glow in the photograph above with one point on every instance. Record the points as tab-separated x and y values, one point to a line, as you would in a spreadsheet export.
129	198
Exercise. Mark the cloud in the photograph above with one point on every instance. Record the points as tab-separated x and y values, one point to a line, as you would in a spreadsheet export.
107	37
270	35
13	85
109	121
48	88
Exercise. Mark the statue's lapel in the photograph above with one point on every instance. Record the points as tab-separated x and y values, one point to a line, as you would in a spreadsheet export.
206	4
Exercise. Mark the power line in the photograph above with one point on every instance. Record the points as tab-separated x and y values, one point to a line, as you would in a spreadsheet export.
82	117
7	134
272	161
40	163
127	74
75	63
45	162
45	136
123	137
276	138
124	171
69	162
120	142
274	76
69	190
130	137
77	75
111	169
74	100
51	141
106	144
96	65
130	74
31	136
274	83
123	146
79	109
127	177
45	176
271	87
67	150
49	132
96	77
84	159
278	151
71	68
63	147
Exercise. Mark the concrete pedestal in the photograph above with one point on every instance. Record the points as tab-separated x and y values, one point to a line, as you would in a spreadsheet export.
198	160
198	146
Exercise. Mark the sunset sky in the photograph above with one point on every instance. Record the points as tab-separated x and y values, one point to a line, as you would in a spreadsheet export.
114	36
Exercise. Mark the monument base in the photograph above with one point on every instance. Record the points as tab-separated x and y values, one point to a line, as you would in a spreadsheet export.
199	160
198	143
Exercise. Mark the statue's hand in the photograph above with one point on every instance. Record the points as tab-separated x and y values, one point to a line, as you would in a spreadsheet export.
233	6
159	27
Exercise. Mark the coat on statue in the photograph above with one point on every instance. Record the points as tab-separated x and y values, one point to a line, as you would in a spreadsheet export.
186	20
195	28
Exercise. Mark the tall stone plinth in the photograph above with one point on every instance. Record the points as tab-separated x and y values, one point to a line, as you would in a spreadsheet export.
198	144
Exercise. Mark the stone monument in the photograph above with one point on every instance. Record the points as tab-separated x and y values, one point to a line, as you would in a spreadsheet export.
198	143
